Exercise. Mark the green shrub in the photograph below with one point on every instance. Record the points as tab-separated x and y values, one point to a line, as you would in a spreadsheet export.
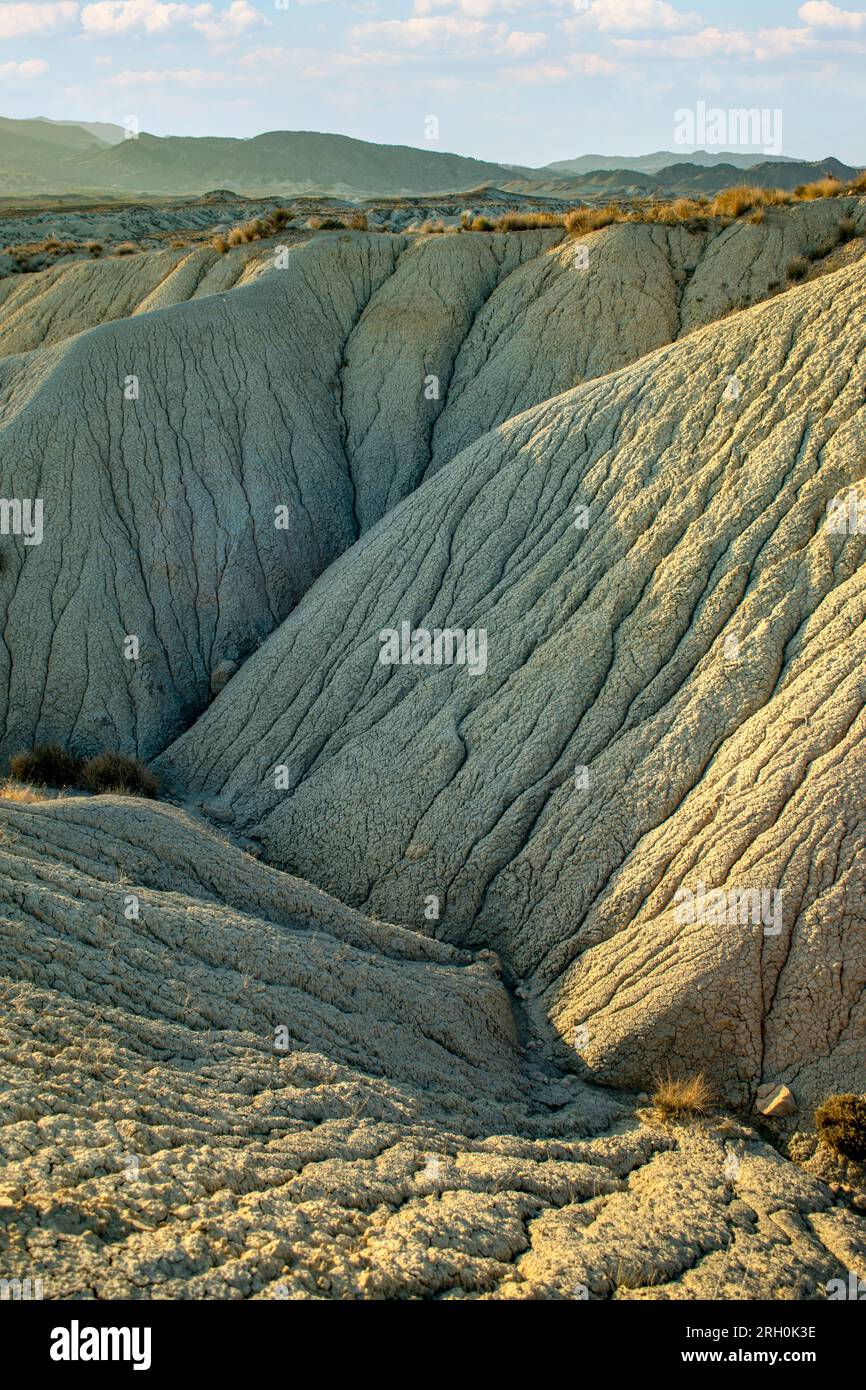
47	764
841	1124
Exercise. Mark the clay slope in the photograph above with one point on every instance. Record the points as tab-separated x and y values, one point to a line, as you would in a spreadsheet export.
157	1144
163	444
698	649
42	309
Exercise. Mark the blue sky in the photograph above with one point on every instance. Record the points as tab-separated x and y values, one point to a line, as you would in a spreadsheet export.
526	81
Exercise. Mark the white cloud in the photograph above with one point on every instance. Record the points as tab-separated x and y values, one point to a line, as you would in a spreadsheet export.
147	16
763	45
161	17
238	19
31	67
417	33
631	16
473	9
519	44
565	69
21	21
822	15
450	33
188	78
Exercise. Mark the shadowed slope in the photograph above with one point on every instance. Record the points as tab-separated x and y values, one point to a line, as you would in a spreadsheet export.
163	444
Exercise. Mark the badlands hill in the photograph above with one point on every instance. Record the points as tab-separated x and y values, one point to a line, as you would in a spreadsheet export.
614	455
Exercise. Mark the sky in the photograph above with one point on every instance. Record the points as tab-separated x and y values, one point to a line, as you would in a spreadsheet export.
516	81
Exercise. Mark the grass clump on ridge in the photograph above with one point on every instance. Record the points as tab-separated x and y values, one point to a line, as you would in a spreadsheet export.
255	229
115	772
51	765
47	764
681	1097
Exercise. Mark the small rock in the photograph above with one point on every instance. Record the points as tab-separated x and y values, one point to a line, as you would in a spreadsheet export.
216	811
643	1097
776	1102
221	675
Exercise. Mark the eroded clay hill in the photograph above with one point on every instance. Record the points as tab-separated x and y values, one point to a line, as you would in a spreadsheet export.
162	1139
166	445
222	1081
672	700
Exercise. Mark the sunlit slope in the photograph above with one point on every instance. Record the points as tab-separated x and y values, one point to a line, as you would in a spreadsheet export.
698	648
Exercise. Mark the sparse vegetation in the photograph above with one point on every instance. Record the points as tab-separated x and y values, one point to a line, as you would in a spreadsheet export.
821	188
115	772
358	222
13	790
681	1097
526	221
326	224
255	229
841	1124
819	253
582	220
126	248
48	765
468	223
798	268
733	202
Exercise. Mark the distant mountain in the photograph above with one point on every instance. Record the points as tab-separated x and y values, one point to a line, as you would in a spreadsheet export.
33	154
102	130
276	162
651	163
681	180
41	156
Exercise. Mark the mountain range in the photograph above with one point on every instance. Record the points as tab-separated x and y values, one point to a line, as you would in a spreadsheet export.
42	157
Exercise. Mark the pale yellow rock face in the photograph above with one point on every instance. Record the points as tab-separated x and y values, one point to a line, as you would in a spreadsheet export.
157	1144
